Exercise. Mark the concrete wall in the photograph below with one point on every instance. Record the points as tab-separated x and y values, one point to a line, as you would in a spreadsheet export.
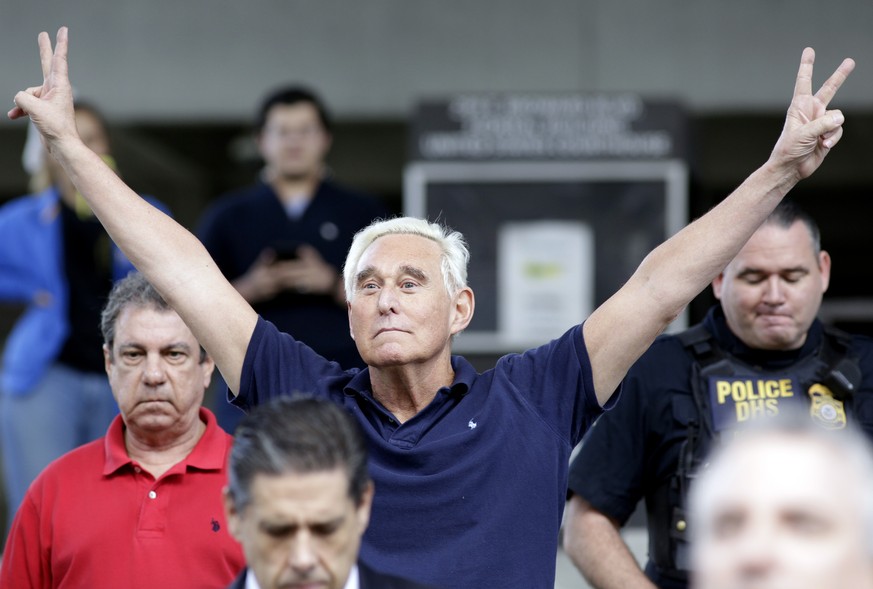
211	59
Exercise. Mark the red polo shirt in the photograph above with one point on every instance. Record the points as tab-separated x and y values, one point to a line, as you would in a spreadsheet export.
93	518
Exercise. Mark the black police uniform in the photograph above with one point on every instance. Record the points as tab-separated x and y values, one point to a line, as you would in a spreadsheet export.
650	443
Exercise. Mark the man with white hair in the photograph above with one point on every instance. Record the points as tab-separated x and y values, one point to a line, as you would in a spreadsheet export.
785	505
470	469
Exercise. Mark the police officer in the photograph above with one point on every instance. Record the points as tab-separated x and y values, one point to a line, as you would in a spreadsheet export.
759	352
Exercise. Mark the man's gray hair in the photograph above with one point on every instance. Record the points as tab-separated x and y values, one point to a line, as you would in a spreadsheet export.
454	259
296	434
133	290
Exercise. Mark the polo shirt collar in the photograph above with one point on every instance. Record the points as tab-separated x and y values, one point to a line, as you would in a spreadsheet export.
465	375
116	453
210	451
359	385
208	454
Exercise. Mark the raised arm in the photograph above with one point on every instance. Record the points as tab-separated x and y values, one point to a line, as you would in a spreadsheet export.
621	329
172	259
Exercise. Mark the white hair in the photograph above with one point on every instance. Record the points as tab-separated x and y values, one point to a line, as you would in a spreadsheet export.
454	259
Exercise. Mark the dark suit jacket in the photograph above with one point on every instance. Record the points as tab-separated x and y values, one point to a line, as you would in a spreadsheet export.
369	578
240	581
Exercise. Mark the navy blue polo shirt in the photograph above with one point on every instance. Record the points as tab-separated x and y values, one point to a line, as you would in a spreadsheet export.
471	490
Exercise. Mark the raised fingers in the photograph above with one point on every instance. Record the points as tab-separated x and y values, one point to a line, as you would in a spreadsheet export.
832	84
803	84
53	61
59	61
45	54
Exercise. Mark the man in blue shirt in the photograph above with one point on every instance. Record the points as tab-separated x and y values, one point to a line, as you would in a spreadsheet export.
282	241
471	468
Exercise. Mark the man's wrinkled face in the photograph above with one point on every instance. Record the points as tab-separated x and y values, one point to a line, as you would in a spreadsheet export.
300	530
772	290
782	512
400	312
155	370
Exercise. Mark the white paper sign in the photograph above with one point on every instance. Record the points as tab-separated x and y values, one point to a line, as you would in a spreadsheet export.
545	278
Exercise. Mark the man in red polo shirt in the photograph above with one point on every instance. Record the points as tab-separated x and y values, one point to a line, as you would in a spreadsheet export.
141	507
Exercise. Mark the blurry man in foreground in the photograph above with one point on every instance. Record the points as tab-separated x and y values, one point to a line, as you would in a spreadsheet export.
785	505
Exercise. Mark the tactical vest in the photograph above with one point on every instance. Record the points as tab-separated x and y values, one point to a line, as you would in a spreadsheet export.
726	391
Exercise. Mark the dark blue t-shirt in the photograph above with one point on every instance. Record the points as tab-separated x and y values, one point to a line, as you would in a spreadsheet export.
471	490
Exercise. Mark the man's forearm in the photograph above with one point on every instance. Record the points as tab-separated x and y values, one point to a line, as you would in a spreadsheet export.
619	331
169	256
158	246
684	265
594	544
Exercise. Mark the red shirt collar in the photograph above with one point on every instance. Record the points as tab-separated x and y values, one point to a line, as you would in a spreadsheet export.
209	453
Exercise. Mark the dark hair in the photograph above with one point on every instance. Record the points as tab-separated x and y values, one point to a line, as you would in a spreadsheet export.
296	434
787	214
133	290
290	95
